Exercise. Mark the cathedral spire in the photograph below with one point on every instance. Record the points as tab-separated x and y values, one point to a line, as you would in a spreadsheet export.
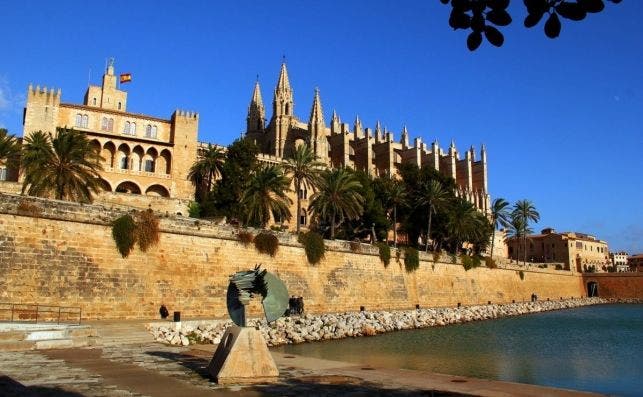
256	111
404	140
317	113
335	123
283	84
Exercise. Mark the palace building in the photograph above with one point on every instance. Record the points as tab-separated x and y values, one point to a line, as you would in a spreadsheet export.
147	158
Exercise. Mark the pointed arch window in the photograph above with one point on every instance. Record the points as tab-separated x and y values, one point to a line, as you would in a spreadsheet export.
150	131
127	128
133	128
79	120
85	121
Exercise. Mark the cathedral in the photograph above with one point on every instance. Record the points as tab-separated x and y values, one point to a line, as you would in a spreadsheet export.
374	151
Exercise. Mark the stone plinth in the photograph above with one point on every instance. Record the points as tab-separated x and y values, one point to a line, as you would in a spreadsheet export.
242	357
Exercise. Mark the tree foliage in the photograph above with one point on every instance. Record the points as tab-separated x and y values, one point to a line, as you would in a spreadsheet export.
225	199
304	169
266	195
65	166
483	17
314	246
338	198
205	170
9	148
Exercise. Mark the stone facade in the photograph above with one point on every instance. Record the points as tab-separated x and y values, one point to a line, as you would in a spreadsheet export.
574	249
374	151
62	253
142	155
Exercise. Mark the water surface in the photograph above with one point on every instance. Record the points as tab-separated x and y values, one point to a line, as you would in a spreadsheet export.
593	348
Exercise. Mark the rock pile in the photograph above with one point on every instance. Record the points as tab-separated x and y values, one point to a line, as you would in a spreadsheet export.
308	328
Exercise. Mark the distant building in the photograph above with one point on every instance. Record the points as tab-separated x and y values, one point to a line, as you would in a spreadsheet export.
619	261
578	251
635	262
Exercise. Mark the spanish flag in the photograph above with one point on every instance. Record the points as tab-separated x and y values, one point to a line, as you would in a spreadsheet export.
126	78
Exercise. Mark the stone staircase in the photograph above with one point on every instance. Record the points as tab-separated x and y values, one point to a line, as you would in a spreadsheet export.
20	337
122	333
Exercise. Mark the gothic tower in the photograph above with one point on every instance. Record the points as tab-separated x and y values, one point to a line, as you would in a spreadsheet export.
282	113
317	129
256	112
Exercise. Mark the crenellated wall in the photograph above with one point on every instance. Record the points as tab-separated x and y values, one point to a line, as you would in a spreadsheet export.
63	254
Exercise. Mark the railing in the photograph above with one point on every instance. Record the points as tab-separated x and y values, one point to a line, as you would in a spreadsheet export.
36	313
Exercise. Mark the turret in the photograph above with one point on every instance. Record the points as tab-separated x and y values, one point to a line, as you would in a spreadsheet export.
357	128
404	140
335	123
317	128
107	96
282	103
256	112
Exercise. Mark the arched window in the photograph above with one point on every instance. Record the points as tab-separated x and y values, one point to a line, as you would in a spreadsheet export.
85	121
124	161
149	165
148	131
79	120
287	108
104	124
94	101
153	131
110	125
133	129
126	129
119	106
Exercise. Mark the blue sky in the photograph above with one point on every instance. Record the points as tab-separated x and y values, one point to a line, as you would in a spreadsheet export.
562	119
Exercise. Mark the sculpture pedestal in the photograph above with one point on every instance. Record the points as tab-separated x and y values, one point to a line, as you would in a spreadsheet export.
242	357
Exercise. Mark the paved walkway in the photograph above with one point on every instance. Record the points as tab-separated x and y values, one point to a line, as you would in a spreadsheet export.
156	370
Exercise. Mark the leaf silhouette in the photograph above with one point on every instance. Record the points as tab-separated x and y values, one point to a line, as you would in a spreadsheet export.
532	20
477	22
474	40
499	17
459	20
571	11
552	26
494	36
498	4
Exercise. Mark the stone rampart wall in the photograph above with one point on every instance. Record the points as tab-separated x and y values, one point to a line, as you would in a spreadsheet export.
62	253
617	285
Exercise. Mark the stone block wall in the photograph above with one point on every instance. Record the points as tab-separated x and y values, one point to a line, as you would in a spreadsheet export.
62	253
616	285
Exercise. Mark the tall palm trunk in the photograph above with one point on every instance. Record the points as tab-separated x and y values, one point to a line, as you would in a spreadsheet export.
395	226
332	226
428	232
297	216
493	238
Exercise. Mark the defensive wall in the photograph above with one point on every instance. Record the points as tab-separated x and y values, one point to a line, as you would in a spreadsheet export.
623	285
62	253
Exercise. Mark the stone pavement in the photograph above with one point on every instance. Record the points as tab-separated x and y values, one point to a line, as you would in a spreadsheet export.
157	370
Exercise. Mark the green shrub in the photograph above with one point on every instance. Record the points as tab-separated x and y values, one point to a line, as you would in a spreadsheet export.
313	246
490	263
267	243
559	267
411	259
355	246
476	261
147	229
385	253
467	262
194	210
521	274
124	234
245	237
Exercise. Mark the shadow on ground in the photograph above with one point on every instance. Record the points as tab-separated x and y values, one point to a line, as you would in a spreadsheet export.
293	384
11	388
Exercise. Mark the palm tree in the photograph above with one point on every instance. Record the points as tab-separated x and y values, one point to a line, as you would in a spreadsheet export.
337	197
304	170
206	169
266	194
65	166
515	231
465	223
526	211
396	196
9	147
499	217
434	196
